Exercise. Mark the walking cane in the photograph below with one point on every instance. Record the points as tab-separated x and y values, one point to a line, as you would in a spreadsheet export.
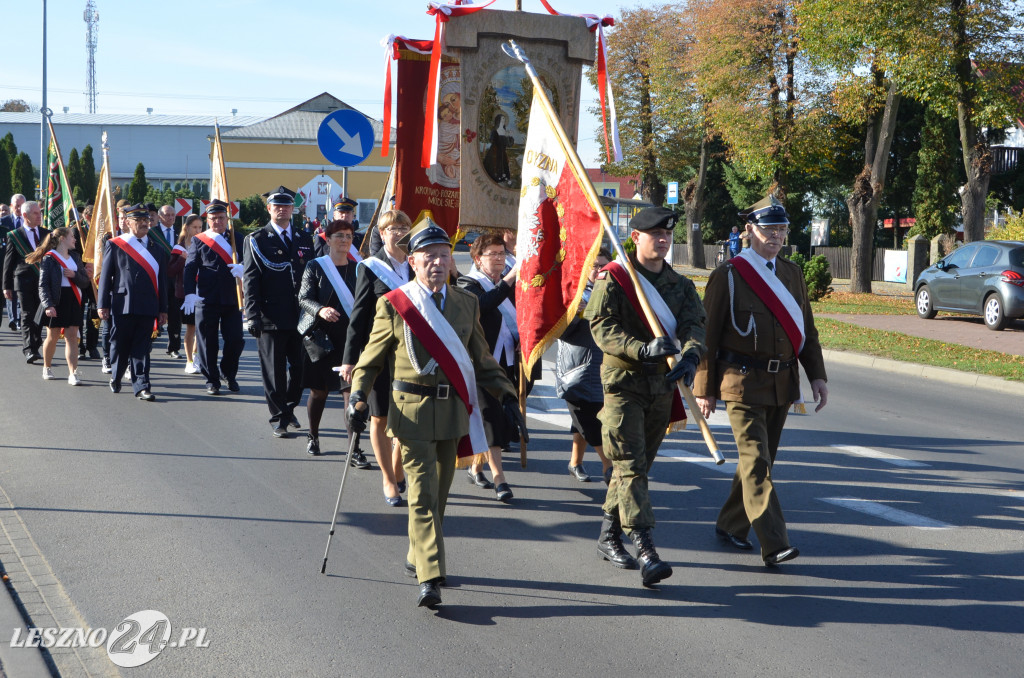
353	444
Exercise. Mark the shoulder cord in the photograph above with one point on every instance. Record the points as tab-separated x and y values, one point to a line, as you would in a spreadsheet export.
431	365
266	263
751	326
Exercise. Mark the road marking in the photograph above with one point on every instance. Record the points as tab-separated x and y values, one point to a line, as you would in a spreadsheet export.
874	508
729	467
881	456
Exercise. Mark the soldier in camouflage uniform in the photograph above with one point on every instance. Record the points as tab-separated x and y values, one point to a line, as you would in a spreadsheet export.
638	386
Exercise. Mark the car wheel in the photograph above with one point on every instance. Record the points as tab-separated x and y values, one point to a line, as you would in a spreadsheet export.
994	318
923	299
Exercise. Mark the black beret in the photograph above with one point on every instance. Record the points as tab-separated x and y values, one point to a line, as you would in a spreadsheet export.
653	217
280	196
217	207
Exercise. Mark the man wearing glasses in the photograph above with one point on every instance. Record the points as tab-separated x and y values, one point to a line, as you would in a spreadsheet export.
759	325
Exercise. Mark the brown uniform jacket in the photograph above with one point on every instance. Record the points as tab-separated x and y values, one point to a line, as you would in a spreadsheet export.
719	379
416	417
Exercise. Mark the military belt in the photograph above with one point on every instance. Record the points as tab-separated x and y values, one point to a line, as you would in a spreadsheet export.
440	391
652	369
747	363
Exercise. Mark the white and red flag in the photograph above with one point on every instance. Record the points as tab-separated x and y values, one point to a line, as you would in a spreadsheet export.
558	241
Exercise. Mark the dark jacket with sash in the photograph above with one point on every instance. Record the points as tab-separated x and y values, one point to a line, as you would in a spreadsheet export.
369	288
317	292
718	378
18	275
273	275
418	417
50	275
208	275
125	286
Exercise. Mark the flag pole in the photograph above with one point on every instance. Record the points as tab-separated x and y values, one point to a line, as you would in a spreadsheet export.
576	166
522	406
227	199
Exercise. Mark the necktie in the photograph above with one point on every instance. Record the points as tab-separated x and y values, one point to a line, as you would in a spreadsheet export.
287	240
437	297
167	234
771	266
35	238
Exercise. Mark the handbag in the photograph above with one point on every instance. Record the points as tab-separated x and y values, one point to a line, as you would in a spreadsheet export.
317	344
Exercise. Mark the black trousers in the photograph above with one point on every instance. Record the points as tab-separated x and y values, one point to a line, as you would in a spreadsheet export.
131	339
212	321
173	324
281	368
31	332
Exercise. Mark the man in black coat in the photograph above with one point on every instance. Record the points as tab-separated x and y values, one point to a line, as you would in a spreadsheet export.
133	297
275	259
165	231
212	293
21	280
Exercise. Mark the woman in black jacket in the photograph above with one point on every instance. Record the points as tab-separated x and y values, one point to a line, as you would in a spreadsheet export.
325	298
61	280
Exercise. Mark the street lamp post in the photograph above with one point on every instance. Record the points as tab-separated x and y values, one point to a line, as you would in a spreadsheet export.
42	118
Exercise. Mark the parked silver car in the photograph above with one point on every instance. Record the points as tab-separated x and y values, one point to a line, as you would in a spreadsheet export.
982	278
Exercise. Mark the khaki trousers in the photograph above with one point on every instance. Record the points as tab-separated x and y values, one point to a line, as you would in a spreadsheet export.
752	500
429	470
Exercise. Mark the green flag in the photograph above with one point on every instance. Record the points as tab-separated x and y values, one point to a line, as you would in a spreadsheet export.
58	207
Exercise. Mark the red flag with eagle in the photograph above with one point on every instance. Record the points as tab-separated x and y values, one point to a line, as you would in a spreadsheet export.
558	240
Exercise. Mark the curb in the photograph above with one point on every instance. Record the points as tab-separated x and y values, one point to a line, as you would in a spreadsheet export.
941	374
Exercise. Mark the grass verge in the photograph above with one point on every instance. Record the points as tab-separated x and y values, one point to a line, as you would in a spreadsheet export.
835	334
869	304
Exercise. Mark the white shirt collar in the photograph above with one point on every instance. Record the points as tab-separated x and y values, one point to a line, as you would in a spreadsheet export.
763	261
279	230
444	291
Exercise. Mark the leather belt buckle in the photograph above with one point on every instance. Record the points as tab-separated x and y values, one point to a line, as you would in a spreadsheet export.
442	391
773	366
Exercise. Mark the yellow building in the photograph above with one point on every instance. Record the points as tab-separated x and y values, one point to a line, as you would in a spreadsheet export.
282	151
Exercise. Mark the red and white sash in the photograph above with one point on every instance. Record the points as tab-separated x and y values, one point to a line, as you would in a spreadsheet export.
433	330
665	318
218	243
72	267
132	246
340	288
508	334
179	250
769	289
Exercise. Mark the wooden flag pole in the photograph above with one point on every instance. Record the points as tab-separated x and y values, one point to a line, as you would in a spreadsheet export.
576	166
522	406
63	172
227	199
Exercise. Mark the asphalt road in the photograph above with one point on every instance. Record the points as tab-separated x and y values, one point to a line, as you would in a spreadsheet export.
904	497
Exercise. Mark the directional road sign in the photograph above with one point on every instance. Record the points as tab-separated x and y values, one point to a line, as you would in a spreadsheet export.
345	138
182	206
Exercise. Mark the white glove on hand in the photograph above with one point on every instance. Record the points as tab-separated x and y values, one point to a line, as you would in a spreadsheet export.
236	270
190	303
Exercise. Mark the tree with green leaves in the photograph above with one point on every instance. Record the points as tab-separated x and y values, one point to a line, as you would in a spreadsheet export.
74	170
136	189
89	175
5	178
939	174
23	176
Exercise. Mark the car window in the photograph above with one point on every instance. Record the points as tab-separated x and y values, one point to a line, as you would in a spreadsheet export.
986	256
1017	257
961	257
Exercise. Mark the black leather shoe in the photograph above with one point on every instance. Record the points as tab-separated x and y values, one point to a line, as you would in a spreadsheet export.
212	389
33	358
145	394
233	385
430	595
781	556
609	544
294	423
115	386
402	487
94	354
579	473
479	479
280	430
503	493
359	460
732	539
410	571
312	445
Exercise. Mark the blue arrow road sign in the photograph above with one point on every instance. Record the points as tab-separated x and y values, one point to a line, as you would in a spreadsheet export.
345	138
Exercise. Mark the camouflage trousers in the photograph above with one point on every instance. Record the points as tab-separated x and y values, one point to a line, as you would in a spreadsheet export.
633	426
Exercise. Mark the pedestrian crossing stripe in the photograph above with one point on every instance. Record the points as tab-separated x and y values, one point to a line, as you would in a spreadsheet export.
893	515
871	453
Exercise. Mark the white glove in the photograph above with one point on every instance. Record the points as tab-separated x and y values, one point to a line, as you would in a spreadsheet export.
236	270
190	303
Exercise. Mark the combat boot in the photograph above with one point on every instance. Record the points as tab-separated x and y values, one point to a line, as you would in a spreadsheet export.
609	544
652	568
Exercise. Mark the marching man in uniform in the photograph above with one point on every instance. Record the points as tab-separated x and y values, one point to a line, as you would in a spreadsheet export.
429	334
212	294
640	398
133	297
759	325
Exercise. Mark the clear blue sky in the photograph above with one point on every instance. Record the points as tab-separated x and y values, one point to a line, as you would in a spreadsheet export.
210	56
